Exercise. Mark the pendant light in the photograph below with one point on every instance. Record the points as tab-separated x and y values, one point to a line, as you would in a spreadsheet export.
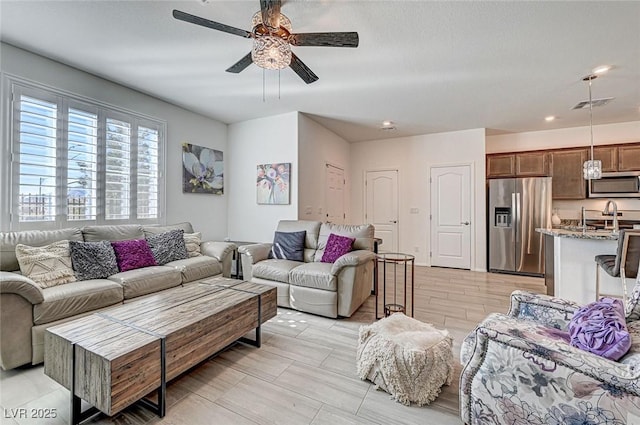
591	169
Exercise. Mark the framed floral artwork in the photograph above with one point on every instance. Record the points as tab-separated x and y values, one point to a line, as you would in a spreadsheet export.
273	184
202	170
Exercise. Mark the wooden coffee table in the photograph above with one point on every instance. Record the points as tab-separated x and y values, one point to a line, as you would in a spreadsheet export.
117	356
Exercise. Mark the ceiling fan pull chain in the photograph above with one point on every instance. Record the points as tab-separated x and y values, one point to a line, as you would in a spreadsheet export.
278	84
263	85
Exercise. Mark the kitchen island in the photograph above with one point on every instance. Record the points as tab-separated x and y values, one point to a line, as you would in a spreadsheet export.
571	266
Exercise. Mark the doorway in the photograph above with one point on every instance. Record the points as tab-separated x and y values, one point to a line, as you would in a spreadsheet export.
381	206
451	214
334	192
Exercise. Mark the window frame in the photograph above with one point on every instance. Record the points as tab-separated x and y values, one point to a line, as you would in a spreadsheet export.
64	101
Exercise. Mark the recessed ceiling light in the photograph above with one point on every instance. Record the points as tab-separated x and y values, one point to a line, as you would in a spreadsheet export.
549	118
388	125
601	69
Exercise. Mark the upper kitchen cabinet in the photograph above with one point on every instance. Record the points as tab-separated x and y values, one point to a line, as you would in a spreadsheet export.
522	164
609	157
566	170
501	165
629	157
532	164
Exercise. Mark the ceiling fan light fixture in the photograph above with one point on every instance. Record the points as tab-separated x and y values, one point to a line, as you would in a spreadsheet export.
271	52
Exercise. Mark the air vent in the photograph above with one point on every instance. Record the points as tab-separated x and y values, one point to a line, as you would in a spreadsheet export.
596	102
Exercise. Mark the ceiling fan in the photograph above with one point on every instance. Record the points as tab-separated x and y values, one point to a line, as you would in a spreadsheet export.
272	40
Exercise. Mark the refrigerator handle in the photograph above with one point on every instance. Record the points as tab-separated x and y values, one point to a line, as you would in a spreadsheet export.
514	219
518	218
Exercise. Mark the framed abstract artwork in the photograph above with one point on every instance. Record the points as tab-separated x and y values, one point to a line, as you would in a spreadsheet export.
202	170
273	184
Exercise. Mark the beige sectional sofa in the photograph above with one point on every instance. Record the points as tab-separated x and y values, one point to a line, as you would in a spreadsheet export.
26	309
328	289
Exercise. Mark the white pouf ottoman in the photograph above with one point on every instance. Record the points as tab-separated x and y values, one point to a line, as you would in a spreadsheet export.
408	359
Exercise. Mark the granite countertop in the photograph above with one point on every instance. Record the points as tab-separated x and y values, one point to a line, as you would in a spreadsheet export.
577	233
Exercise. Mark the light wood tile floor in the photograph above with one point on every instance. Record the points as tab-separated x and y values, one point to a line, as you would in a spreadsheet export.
304	373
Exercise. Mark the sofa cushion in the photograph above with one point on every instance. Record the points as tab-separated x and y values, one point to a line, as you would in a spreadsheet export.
363	233
274	269
74	298
118	232
48	265
192	243
314	275
196	268
288	246
147	280
337	246
93	260
9	240
133	254
168	246
186	227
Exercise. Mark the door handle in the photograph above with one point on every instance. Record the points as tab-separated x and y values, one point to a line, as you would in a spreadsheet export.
393	221
466	223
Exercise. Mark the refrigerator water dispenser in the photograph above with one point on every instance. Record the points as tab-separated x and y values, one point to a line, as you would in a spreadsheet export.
502	217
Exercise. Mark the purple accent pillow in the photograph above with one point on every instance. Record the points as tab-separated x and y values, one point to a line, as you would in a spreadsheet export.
600	328
133	254
337	246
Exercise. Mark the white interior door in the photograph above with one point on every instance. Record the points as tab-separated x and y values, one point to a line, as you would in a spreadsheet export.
381	188
334	193
451	216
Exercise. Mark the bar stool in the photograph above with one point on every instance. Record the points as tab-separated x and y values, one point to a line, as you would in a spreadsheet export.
624	264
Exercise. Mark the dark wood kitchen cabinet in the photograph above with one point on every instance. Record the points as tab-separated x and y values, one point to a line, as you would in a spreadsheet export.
566	170
532	164
609	157
501	165
629	157
522	164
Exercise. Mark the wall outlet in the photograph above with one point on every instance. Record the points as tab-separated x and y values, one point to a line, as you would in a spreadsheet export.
414	211
319	210
416	249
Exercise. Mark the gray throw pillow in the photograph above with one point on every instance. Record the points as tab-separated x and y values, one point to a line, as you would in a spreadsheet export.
168	246
93	260
288	246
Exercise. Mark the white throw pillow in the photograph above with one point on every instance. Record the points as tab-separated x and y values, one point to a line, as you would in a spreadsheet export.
192	241
48	265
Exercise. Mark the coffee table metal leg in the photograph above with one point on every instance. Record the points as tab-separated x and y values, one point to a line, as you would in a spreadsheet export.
160	408
258	341
76	414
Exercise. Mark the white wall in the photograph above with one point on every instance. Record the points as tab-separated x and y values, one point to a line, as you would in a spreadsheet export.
413	157
260	141
318	147
207	213
605	134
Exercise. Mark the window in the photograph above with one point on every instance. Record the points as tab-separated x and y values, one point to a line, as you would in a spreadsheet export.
74	161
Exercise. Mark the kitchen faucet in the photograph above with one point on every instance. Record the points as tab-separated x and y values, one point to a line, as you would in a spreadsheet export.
616	228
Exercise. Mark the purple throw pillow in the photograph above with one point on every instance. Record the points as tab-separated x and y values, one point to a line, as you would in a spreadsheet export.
600	328
133	254
337	246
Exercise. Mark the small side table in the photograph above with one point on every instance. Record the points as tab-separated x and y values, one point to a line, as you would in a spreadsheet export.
236	258
392	265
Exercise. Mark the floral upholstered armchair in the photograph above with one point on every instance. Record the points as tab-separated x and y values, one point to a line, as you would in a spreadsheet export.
520	368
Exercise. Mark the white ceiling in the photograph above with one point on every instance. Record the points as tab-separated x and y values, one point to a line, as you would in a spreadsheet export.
428	66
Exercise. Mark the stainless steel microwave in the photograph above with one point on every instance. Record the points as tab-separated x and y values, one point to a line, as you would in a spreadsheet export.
616	185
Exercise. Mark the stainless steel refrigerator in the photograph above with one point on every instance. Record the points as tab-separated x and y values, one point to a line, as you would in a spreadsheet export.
516	208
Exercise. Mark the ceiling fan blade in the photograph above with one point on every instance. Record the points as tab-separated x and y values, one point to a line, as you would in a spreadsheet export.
329	39
271	13
241	64
302	70
183	16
